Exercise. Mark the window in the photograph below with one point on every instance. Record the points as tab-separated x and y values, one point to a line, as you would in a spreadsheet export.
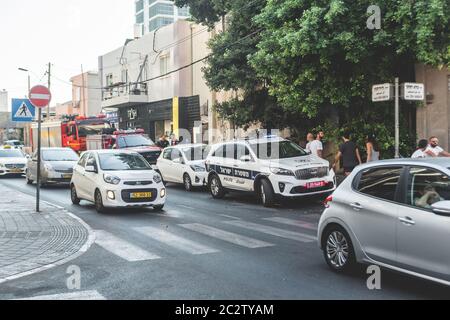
161	8
167	154
176	154
242	151
380	182
109	79
184	12
59	155
91	161
140	18
225	151
427	186
277	150
83	160
123	162
159	22
164	65
139	5
125	76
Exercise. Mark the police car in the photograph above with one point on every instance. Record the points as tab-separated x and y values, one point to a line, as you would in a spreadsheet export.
271	167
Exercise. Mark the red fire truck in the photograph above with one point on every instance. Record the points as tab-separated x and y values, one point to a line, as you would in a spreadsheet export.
71	132
135	140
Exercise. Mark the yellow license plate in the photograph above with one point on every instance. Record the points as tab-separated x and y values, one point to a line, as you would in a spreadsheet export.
141	195
16	170
67	176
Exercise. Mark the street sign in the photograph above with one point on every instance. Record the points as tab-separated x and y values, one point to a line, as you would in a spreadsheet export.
413	91
382	92
40	96
22	110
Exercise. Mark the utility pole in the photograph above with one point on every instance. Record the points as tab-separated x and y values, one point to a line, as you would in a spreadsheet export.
49	74
397	118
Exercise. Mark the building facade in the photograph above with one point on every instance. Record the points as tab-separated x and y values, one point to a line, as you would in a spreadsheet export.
3	101
86	94
153	14
433	118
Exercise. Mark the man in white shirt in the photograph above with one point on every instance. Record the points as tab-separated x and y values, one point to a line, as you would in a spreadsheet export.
316	147
434	150
420	152
309	139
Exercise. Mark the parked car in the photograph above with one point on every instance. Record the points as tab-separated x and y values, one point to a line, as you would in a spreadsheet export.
184	164
56	166
117	179
12	162
395	214
271	167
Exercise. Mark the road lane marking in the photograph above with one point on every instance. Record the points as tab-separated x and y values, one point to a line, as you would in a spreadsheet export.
185	207
297	236
174	241
79	295
295	223
122	248
229	217
227	236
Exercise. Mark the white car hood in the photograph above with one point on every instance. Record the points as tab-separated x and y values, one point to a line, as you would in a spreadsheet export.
13	160
140	175
299	162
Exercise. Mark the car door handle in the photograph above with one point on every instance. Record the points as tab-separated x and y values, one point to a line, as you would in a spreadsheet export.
407	221
356	206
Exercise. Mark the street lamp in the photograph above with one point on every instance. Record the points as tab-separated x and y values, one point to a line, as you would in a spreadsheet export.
29	80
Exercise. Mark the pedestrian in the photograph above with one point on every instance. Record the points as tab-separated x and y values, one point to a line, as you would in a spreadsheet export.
162	142
173	140
434	150
309	139
316	146
350	155
373	150
420	152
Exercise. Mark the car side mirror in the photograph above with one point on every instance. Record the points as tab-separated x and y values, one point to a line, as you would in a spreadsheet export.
91	169
246	159
441	208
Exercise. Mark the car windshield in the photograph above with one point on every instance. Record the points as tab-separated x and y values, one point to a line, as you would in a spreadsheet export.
14	143
59	155
135	141
123	162
196	153
88	129
11	154
277	150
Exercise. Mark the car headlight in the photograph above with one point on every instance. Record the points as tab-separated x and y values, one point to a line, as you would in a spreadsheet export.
111	179
282	172
48	167
2	165
157	178
198	169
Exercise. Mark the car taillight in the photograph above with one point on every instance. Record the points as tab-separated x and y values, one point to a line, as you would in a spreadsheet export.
327	201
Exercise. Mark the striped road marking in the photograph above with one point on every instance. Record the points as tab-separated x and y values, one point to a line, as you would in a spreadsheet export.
297	236
78	295
174	241
227	236
295	223
122	248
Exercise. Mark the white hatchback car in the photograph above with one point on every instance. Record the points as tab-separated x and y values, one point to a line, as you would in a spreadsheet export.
117	179
271	167
184	164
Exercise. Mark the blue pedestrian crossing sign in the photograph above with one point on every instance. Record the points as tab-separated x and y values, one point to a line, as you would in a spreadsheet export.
22	110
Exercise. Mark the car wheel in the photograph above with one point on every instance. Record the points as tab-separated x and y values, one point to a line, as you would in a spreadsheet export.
187	182
74	196
158	208
266	193
338	249
99	202
215	187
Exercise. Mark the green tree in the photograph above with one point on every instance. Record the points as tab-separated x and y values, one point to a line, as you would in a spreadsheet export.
320	55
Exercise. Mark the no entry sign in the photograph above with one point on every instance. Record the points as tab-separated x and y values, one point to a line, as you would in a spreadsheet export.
40	96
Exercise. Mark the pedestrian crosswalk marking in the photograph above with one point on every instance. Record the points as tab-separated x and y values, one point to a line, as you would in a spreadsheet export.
174	241
297	236
122	248
77	295
295	223
227	236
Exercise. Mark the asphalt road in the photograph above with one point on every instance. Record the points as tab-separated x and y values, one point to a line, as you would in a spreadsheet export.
200	248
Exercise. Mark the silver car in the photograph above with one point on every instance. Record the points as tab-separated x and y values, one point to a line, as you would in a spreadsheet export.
395	214
56	167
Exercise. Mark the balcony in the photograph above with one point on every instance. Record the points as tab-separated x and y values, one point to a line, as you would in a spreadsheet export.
122	95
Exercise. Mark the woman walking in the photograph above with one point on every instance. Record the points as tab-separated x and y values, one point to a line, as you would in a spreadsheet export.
373	150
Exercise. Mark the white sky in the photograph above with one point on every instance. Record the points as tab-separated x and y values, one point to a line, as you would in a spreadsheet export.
67	33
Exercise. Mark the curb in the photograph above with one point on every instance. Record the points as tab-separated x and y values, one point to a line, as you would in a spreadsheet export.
90	241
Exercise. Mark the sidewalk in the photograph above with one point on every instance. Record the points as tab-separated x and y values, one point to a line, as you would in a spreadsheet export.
30	242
